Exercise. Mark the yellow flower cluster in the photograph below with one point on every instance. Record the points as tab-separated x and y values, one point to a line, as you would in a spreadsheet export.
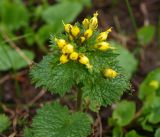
69	53
74	33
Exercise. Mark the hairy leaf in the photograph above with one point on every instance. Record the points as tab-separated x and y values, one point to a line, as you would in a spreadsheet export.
56	121
4	122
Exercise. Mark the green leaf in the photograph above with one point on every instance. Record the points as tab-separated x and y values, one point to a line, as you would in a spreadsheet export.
53	15
132	133
146	34
154	110
13	14
56	121
66	11
11	59
146	89
4	122
126	60
124	112
117	132
157	133
28	132
83	2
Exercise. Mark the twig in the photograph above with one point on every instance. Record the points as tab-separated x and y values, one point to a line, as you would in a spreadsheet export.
100	125
19	51
41	93
10	76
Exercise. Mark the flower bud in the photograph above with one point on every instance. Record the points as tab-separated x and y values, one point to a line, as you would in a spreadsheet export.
82	39
103	46
94	22
67	27
85	23
68	49
60	43
70	37
75	31
88	33
83	60
74	56
64	59
110	73
155	84
103	35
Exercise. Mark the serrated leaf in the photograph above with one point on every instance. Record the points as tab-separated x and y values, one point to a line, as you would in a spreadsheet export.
157	133
28	132
13	14
132	133
146	34
146	89
126	60
124	112
56	121
11	59
4	122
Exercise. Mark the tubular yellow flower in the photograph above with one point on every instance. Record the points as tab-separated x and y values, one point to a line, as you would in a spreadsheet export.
67	27
74	56
64	59
103	35
85	23
94	22
75	31
82	39
103	46
110	73
88	33
83	60
68	49
155	84
60	43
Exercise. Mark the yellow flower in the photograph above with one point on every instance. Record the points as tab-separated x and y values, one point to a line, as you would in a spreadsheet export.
75	31
74	56
68	49
103	46
103	35
155	84
64	59
83	60
67	27
60	42
82	39
110	73
88	33
94	22
85	23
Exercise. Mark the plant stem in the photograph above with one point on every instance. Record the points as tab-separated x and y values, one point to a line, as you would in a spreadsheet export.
131	16
79	100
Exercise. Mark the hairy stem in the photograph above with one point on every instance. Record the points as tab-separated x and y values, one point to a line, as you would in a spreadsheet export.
79	100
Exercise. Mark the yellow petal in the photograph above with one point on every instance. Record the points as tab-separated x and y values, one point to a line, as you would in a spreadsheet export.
74	56
64	59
